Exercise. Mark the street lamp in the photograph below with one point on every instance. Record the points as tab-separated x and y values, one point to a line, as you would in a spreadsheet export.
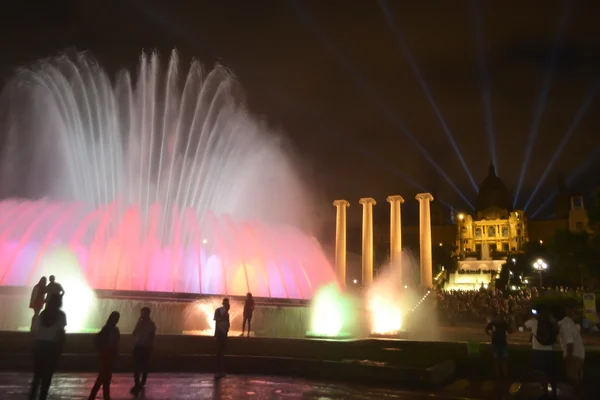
540	266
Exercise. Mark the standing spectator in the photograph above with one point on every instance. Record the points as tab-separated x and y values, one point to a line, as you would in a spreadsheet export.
221	330
248	311
49	339
143	334
107	345
497	328
544	335
54	287
38	298
573	350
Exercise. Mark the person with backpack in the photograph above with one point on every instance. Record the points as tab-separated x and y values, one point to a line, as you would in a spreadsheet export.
221	319
544	329
107	345
49	338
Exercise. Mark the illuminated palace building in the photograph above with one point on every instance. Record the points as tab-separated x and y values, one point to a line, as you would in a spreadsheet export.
488	236
493	229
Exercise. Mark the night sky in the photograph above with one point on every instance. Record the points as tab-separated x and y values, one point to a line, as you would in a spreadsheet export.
336	76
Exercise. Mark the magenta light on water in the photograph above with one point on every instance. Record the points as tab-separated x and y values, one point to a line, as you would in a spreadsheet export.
162	182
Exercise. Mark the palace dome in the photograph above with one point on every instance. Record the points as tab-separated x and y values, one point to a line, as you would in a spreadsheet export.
492	192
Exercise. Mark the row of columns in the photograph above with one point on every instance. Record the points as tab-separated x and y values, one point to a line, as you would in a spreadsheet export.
395	237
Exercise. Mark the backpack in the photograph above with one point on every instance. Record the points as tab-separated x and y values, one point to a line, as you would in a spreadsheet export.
547	332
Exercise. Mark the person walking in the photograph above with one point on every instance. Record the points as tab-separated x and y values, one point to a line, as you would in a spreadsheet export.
107	345
143	334
38	298
49	338
248	311
573	350
221	319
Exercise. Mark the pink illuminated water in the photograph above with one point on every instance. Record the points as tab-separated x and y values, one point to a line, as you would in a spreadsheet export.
123	252
158	180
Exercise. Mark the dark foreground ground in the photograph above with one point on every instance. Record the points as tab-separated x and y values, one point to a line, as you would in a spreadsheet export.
274	368
178	386
203	386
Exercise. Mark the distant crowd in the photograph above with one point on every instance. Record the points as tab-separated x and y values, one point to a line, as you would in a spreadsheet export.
457	307
48	326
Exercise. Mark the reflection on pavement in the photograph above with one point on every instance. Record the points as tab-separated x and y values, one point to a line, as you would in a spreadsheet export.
203	386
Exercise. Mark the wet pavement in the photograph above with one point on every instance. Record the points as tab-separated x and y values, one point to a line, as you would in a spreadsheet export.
203	386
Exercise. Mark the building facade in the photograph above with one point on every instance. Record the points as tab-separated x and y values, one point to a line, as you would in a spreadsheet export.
492	231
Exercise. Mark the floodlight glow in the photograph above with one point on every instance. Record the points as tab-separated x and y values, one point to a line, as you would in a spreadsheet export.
328	128
484	76
570	131
386	316
590	160
411	60
543	96
374	95
78	300
205	310
329	312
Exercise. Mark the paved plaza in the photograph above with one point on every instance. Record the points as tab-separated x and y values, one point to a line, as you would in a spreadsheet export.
67	386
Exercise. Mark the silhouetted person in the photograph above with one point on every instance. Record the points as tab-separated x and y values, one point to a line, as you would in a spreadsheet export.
248	311
221	330
143	334
497	328
49	338
54	288
38	298
107	345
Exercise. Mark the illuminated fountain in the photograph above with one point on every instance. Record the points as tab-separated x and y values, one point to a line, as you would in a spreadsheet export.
333	314
161	183
391	297
214	255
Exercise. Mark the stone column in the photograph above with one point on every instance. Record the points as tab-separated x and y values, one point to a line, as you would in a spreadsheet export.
425	239
367	240
396	234
340	240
